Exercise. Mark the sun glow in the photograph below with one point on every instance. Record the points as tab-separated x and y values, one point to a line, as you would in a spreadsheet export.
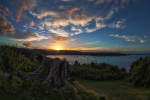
57	48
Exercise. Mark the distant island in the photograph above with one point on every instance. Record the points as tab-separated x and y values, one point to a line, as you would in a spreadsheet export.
66	52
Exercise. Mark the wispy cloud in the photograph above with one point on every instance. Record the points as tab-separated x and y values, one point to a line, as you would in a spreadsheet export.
62	39
5	10
27	36
100	21
76	29
22	4
131	38
69	9
118	24
89	43
59	31
43	14
52	42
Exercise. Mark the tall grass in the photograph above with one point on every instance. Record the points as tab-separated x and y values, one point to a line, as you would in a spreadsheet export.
30	89
11	61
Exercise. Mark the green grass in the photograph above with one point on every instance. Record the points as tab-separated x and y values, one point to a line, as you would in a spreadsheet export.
11	61
17	89
117	90
30	89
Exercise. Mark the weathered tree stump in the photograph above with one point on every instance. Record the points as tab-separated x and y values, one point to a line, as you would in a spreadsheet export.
45	63
58	75
6	74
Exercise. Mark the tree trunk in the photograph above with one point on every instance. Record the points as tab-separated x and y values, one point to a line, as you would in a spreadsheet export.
6	74
58	75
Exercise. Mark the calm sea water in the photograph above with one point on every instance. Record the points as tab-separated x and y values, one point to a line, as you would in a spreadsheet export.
120	61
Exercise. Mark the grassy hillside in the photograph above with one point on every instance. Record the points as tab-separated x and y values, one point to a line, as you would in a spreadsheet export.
117	89
92	81
30	89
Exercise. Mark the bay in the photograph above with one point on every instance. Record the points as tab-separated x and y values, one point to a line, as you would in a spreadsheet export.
120	61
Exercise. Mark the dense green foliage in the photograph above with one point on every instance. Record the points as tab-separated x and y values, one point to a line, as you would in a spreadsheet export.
140	72
11	61
101	71
30	89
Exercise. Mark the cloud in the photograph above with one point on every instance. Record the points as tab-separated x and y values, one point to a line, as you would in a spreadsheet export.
27	36
52	42
78	16
99	25
118	24
114	1
20	5
145	36
89	43
32	23
69	9
131	38
75	29
59	31
27	45
43	14
5	26
83	21
100	21
5	10
60	38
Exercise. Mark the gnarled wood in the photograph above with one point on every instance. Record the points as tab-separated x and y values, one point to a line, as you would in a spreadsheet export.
6	74
58	75
45	63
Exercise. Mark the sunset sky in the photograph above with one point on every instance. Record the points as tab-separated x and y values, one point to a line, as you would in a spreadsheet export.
95	25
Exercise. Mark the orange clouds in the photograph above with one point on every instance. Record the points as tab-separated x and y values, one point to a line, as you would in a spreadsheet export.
57	16
32	23
69	9
20	5
77	16
64	14
60	38
5	26
27	45
51	42
5	10
74	9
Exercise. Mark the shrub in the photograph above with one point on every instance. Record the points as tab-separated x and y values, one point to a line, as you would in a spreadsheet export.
101	71
11	61
140	73
123	69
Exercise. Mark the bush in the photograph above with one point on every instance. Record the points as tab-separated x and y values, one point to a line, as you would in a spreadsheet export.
11	61
123	69
101	71
140	73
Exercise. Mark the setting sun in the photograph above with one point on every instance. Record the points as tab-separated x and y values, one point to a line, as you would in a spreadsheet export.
57	48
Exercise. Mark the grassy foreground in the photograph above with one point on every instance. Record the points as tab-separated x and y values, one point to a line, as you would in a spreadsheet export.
117	89
30	89
106	87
